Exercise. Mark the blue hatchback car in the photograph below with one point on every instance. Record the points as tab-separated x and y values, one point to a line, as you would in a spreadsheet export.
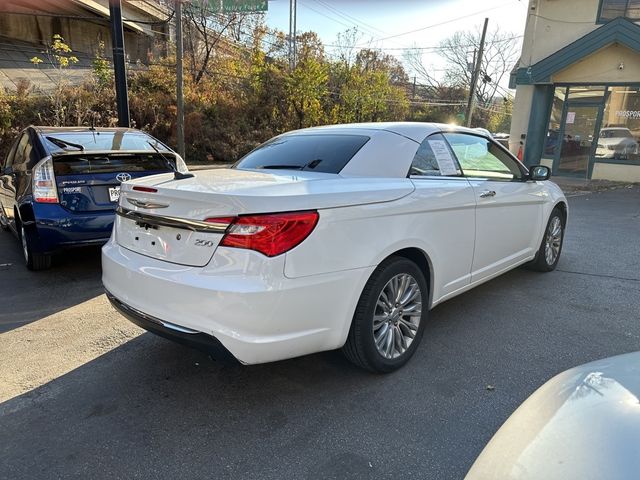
59	186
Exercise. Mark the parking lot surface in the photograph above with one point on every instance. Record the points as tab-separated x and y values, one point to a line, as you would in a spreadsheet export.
85	394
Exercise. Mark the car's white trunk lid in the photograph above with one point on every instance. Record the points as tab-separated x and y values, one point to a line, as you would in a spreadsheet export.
228	193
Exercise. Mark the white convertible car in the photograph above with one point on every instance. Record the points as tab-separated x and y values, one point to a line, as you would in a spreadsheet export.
332	237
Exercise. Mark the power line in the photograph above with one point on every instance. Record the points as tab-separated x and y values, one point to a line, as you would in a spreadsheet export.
326	16
445	22
347	16
364	27
435	47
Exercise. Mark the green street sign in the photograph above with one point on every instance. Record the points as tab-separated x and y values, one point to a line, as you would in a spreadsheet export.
239	6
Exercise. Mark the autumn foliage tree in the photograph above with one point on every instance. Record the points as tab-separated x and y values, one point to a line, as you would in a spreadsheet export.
239	89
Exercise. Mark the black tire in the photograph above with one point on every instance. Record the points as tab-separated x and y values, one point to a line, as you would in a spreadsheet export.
360	347
541	263
34	261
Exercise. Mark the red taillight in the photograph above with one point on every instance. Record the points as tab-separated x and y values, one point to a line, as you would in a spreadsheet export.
271	234
139	188
44	182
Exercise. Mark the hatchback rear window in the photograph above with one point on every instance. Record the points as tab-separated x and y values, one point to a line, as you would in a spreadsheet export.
82	164
317	153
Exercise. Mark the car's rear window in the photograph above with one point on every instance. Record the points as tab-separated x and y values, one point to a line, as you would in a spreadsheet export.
318	153
88	164
100	141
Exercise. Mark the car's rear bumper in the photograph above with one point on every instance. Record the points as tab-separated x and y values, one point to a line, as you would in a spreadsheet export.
242	299
58	228
192	338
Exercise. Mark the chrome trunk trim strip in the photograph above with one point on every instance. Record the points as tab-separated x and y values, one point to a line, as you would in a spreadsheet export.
173	222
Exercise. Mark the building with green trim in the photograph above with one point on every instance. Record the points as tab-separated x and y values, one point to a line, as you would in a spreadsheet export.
577	105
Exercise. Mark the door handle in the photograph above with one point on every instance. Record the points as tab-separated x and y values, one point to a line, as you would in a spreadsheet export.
487	194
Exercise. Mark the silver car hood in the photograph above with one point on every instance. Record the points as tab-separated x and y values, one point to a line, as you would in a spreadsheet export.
582	424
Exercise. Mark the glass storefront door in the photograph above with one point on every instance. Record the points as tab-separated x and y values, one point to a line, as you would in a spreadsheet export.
579	135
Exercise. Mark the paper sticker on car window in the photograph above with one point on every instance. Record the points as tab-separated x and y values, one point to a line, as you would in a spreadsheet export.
446	163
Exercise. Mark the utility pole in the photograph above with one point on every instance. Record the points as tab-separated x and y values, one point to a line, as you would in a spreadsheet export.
413	93
293	7
119	67
476	75
179	80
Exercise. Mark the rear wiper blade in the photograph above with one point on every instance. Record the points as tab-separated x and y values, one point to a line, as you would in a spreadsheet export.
63	143
176	174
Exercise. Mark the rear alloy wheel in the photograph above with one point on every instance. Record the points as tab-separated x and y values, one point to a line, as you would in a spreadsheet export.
549	252
34	261
389	320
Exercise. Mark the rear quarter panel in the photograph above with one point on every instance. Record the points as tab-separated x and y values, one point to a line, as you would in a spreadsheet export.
363	236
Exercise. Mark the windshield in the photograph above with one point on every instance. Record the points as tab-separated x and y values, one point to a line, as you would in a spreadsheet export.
317	153
100	141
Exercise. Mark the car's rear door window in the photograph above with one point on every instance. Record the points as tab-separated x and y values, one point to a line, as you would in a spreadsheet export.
318	153
9	160
434	159
19	156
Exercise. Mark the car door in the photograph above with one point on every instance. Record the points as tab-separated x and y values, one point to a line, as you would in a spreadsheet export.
445	202
509	208
9	176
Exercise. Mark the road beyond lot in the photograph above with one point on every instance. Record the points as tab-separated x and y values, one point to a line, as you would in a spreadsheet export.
85	394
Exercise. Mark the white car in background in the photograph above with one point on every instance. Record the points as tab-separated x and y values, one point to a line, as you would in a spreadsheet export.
616	142
329	237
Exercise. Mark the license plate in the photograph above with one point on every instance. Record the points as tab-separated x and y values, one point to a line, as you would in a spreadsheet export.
114	194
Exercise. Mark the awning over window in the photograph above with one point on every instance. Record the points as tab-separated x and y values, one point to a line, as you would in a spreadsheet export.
620	31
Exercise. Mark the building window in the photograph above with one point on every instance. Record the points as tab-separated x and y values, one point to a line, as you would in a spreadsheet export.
586	93
620	132
610	9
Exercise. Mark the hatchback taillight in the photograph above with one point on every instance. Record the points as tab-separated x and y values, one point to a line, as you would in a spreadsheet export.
271	234
44	182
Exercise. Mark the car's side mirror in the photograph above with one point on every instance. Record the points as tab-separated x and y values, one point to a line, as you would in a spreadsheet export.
539	173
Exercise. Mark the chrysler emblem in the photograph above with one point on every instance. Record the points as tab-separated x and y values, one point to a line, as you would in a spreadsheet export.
123	177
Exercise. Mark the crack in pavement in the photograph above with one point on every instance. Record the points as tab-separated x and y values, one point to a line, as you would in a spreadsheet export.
599	275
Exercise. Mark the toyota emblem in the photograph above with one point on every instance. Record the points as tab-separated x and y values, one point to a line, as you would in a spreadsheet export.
123	177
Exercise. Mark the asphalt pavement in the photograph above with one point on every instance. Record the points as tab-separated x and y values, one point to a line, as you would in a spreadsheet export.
85	394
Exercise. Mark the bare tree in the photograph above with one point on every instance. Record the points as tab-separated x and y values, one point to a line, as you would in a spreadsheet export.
347	45
500	55
206	30
414	58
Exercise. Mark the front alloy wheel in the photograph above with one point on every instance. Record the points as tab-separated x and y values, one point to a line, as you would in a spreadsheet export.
553	240
390	317
549	252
